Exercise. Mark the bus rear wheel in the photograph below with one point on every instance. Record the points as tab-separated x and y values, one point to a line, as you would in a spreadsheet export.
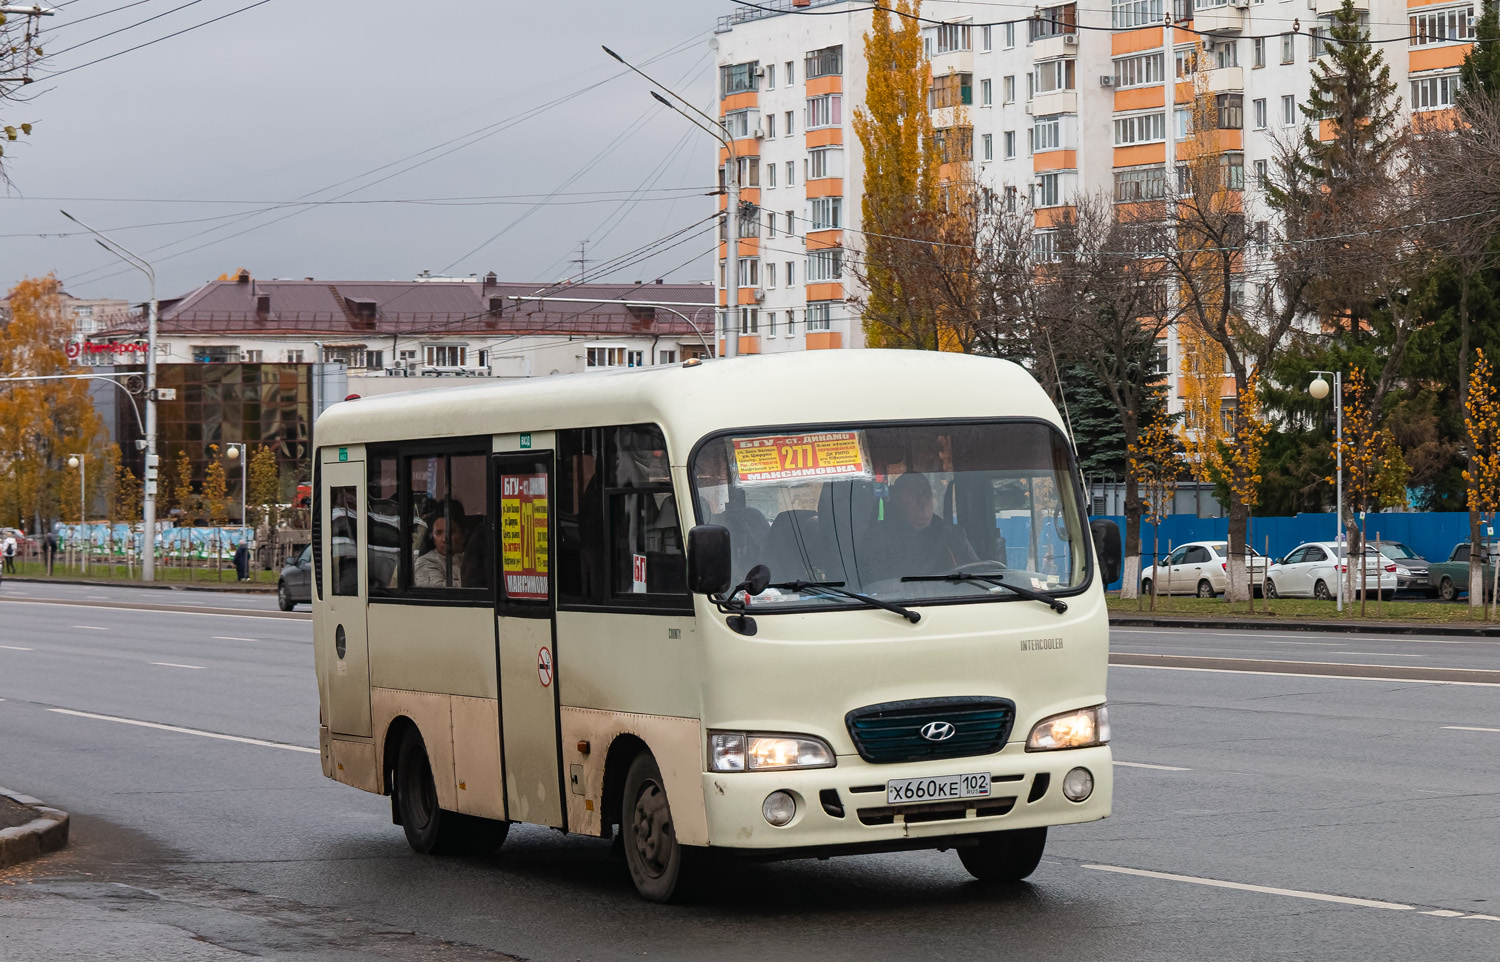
1005	856
662	869
430	829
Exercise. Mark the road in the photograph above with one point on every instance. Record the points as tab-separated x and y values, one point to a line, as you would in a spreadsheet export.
1259	814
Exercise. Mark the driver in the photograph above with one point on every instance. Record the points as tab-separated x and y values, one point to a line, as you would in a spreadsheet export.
918	541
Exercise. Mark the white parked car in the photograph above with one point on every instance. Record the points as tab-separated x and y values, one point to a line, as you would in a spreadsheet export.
1198	568
1312	570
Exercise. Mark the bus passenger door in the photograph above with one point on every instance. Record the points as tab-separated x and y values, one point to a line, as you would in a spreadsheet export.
527	657
347	662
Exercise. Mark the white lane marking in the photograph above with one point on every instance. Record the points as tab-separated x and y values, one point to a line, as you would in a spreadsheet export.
186	731
16	648
1159	768
231	638
1263	889
1444	913
169	664
1319	644
1375	654
1466	728
1429	791
91	627
1251	634
97	597
168	610
1303	674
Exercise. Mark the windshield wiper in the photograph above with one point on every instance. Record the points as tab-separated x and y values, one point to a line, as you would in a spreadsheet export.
837	588
1057	604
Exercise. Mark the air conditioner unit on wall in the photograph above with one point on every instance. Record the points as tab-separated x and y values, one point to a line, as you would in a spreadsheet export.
760	295
1240	4
1106	80
758	133
1028	108
1070	40
759	71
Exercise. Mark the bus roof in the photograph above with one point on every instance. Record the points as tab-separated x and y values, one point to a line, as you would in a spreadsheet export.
806	387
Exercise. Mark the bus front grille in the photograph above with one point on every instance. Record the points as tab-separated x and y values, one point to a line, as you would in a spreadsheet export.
937	812
894	731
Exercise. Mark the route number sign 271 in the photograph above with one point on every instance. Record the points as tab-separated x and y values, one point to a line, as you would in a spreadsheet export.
790	457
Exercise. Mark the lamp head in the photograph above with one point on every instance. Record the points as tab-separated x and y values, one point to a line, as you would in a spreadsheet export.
233	453
1318	388
73	461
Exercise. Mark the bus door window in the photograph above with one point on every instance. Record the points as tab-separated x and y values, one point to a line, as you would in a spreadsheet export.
383	524
343	530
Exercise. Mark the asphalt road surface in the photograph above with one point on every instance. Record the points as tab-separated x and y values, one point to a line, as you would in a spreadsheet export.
1260	814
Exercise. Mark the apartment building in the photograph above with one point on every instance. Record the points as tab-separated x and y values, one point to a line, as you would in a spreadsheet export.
1064	99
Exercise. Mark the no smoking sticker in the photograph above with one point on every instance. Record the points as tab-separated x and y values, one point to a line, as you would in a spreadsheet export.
544	666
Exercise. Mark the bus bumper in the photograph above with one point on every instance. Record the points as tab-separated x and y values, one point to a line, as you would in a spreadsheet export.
843	810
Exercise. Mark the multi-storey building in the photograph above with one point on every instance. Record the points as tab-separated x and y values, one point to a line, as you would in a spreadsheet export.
1065	99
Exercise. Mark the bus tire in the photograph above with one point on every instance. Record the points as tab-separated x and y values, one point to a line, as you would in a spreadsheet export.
430	830
662	869
1005	856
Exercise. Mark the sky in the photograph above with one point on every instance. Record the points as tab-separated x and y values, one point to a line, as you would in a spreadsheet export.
196	151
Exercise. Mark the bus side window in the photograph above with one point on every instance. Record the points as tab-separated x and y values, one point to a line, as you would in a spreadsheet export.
645	532
343	521
578	514
383	525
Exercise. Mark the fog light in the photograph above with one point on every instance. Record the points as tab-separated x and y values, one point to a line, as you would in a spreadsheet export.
779	807
1077	784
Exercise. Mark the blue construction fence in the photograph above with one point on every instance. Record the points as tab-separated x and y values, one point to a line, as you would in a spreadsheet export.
1431	534
193	543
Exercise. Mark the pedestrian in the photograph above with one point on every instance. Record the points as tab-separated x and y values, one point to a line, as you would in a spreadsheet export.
10	554
242	561
49	549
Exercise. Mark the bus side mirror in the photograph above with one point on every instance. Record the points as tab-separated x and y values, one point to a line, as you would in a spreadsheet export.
1107	549
708	559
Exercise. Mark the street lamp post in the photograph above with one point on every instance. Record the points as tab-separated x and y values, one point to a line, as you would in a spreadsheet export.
80	461
1319	390
731	184
148	499
236	452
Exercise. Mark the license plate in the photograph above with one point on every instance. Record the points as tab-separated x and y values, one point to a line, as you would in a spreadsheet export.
940	788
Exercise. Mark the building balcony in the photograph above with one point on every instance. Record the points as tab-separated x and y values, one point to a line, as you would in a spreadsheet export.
1056	102
1222	19
1050	48
1332	6
954	61
1226	80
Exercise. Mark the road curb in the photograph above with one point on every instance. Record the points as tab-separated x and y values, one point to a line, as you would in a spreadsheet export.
1393	628
95	583
48	832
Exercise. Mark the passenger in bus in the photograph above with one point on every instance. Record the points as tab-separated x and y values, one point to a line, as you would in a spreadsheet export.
914	540
443	546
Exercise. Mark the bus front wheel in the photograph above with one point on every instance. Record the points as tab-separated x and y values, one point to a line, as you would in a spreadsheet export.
662	869
1005	856
432	830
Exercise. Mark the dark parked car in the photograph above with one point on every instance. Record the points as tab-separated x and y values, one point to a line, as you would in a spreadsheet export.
1411	569
294	587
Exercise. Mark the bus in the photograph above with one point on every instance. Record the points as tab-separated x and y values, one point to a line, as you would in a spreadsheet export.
814	604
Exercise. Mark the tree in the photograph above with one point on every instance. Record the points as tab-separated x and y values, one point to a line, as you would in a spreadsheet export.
1482	476
1155	462
216	503
20	53
127	508
186	500
42	422
1374	474
265	490
902	169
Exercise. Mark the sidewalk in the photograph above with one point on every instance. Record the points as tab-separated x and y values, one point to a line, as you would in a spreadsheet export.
230	585
1243	622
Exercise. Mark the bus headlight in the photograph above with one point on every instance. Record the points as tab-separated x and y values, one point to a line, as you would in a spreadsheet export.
741	751
1083	728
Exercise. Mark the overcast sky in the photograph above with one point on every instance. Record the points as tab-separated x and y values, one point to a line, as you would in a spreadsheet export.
302	100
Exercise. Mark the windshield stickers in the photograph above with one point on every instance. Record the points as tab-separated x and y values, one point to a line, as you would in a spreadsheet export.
772	458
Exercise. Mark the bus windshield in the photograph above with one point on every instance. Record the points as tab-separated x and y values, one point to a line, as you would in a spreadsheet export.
885	511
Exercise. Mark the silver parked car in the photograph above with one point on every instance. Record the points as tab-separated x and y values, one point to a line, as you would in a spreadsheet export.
1198	568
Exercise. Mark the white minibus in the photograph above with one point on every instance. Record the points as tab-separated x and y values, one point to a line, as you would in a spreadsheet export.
813	604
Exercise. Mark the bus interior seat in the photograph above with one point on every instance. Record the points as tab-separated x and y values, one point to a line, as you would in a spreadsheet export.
795	549
847	519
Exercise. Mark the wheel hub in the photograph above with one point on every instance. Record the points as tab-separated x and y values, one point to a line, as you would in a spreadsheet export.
652	821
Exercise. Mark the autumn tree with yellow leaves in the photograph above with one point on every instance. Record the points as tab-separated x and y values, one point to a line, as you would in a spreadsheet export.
1155	463
1482	475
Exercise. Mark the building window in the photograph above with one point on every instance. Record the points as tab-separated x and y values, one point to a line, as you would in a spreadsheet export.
1139	71
825	265
770	76
294	357
786	127
954	143
1008	90
749	320
1262	176
791	321
770	274
824	111
1288	48
1233	167
1260	113
1044	246
1140	183
1140	129
1010	35
819	315
1434	93
825	162
1054	21
771	324
738	78
1134	13
988	153
791	75
1055	75
670	357
1259	48
791	173
827	62
1010	145
1030	86
1288	110
739	123
749	271
951	37
770	126
254	357
1048	133
1184	117
1185	62
770	176
1231	111
1048	191
1226	54
951	90
985	97
606	357
1010	199
1444	26
827	213
984	38
791	272
446	355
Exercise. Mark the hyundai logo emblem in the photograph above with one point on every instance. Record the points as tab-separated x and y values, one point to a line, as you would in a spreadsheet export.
938	731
